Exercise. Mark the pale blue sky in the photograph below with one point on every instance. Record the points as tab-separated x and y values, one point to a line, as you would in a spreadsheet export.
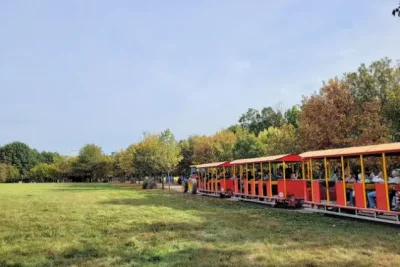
76	72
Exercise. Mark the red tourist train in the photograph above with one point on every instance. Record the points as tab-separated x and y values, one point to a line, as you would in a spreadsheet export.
360	182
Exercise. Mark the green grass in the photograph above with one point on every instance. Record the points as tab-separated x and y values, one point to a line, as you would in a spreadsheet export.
104	225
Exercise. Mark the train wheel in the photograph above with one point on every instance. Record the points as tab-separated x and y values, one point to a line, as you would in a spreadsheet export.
298	205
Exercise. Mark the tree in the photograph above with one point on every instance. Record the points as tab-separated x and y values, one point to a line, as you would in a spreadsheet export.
255	121
247	145
278	141
379	82
223	145
291	116
392	111
88	159
234	128
332	119
168	153
124	161
186	147
19	155
271	117
43	172
103	169
203	150
63	166
8	173
47	156
146	153
251	120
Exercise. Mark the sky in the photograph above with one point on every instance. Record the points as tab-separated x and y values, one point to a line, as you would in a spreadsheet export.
77	72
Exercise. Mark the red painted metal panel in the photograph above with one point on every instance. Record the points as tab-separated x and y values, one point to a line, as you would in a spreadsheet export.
236	185
260	188
291	158
281	188
308	194
228	184
359	195
316	191
269	193
340	194
253	187
296	188
246	187
381	197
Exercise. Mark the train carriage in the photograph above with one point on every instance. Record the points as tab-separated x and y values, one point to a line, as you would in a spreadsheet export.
324	181
268	180
215	178
339	191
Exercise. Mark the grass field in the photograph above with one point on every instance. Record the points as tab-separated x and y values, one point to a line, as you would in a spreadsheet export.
105	225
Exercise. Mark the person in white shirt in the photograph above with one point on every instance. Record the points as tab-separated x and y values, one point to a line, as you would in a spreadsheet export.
378	178
395	179
351	179
372	175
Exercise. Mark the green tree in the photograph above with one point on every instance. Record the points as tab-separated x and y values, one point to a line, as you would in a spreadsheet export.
124	161
168	153
103	169
89	157
146	154
255	121
43	172
380	83
278	141
203	150
224	145
234	128
47	156
8	173
291	116
19	155
63	166
247	145
186	147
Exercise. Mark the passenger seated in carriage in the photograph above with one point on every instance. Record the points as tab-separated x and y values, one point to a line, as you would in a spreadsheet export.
350	192
335	177
395	179
258	175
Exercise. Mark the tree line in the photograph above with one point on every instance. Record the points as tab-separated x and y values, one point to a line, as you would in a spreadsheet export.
358	108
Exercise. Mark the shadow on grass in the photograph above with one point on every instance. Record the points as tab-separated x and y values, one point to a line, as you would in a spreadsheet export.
224	221
89	256
219	227
232	257
73	187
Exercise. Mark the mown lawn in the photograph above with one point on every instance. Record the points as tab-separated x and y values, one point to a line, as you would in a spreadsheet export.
105	225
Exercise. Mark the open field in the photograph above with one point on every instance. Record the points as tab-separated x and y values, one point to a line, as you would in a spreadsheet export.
105	225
